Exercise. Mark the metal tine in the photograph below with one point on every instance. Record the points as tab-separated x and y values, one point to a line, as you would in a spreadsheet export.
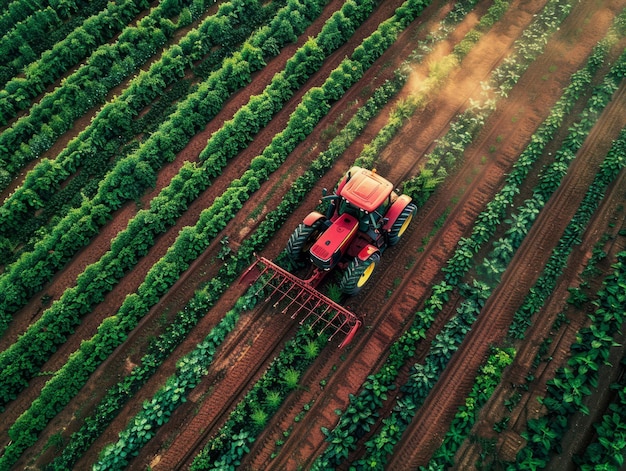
302	303
293	300
311	311
276	288
319	317
263	272
339	329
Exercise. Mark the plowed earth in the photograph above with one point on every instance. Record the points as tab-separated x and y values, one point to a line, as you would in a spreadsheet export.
401	282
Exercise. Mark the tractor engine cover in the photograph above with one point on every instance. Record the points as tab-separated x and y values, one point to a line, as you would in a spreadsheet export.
330	246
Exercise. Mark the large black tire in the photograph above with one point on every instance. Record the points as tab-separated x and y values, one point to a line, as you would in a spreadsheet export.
302	239
401	224
358	273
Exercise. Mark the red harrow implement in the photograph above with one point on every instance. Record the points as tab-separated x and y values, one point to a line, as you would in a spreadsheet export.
300	298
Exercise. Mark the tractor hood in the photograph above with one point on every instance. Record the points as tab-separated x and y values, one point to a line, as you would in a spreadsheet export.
365	189
330	246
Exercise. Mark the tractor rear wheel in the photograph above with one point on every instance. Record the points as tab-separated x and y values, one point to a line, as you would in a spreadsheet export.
358	273
401	224
302	239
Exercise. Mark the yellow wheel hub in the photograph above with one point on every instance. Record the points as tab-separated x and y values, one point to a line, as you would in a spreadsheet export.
366	275
405	225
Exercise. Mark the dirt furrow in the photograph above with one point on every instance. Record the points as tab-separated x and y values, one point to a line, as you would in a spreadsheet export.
238	166
293	450
514	378
496	316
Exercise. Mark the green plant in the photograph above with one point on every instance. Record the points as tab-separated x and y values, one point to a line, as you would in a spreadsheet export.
259	417
291	377
311	349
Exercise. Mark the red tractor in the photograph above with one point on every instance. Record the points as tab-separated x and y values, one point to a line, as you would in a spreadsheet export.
364	216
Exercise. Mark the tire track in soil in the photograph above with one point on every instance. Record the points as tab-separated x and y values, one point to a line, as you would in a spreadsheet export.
292	451
386	327
427	430
509	441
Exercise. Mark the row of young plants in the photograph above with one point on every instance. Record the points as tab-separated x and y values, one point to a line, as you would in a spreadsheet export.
449	152
227	448
127	180
486	381
160	278
614	162
38	46
157	411
204	298
25	356
53	188
34	133
424	376
557	262
606	451
567	391
365	405
123	443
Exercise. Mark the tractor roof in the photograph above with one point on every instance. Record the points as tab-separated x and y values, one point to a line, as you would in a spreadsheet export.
366	189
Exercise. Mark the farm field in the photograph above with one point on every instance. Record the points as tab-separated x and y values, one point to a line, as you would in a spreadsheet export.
149	152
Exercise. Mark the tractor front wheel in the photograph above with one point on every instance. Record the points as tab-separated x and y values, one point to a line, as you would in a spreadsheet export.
358	273
401	224
302	239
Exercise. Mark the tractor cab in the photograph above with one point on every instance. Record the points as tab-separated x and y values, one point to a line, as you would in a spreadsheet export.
364	216
364	195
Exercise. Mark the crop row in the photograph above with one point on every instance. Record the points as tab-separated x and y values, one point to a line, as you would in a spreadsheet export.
368	401
44	47
192	241
607	449
572	383
107	67
17	11
485	383
24	356
112	454
128	178
206	296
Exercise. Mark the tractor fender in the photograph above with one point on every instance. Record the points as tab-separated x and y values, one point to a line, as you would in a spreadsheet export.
366	252
312	218
396	209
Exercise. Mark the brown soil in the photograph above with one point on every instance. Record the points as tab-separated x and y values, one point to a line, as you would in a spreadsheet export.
402	281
